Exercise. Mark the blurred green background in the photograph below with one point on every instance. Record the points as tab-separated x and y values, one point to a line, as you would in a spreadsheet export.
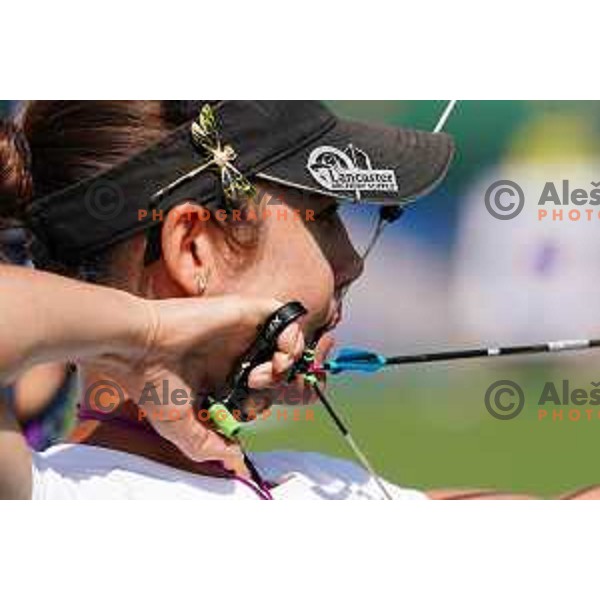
427	426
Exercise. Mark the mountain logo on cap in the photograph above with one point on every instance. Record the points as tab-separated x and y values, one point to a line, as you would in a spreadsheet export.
349	170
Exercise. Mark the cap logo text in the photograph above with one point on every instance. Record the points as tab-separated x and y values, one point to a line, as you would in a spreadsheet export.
349	170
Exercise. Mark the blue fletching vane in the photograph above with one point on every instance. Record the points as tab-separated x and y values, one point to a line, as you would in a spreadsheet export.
355	359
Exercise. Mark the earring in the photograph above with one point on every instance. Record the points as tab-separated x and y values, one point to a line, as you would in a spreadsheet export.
201	283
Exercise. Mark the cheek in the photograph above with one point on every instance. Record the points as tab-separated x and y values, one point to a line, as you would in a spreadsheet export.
290	266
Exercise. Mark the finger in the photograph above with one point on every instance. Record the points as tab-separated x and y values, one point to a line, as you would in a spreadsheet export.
270	373
261	377
179	425
282	362
324	347
197	440
289	339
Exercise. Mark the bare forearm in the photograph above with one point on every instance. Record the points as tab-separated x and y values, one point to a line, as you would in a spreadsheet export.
44	317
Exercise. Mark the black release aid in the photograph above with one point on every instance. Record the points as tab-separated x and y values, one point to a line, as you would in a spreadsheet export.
261	351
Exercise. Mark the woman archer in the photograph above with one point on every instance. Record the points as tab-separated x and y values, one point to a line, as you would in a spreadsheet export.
180	299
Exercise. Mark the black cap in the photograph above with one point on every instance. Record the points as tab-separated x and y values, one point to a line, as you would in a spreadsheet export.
299	144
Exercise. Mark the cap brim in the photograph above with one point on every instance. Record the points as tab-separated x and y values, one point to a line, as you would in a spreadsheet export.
418	159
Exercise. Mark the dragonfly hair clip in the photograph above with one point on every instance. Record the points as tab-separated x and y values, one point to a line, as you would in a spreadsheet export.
205	137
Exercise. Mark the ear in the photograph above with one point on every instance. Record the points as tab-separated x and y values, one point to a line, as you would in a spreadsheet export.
187	250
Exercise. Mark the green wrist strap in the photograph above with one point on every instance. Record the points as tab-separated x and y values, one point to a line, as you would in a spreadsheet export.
225	422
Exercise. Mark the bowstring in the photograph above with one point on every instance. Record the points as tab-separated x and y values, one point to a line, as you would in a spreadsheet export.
387	215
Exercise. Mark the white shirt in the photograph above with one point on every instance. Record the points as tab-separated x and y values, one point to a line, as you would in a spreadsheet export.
82	472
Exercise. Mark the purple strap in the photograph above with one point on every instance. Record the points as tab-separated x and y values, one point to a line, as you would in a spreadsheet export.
262	491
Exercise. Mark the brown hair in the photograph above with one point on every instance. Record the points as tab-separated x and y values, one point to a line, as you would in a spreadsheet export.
72	140
59	143
15	176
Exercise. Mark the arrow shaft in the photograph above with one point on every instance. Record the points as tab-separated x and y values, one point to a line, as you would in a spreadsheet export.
366	361
449	355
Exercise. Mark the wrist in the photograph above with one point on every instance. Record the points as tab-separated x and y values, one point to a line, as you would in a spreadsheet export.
122	327
141	337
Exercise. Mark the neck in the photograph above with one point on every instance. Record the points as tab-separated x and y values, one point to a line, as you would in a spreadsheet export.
125	429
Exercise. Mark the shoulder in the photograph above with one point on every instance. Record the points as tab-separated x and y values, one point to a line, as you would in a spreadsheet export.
330	477
72	471
81	472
